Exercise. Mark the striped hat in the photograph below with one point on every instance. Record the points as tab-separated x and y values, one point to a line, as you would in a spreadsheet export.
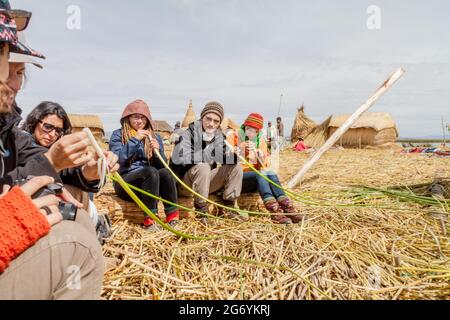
213	107
255	120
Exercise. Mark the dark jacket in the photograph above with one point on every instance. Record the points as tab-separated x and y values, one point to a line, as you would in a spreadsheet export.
21	157
190	150
132	155
73	176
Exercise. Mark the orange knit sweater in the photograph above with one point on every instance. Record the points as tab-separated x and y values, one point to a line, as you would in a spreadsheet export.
21	225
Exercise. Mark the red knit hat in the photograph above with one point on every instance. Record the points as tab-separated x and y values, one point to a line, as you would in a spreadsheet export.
255	120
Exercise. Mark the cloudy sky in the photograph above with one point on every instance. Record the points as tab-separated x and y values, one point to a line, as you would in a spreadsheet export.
244	53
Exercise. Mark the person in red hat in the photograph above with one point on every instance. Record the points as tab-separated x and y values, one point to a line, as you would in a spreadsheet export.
251	145
135	144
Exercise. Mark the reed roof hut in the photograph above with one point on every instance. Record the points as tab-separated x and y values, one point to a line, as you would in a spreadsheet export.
372	129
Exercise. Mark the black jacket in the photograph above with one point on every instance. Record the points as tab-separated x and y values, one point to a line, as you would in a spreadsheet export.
190	150
20	157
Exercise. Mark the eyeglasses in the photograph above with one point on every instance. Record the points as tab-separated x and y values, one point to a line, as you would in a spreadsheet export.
136	117
21	17
211	120
48	128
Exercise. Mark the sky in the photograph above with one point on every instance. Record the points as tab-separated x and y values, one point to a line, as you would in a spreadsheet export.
244	53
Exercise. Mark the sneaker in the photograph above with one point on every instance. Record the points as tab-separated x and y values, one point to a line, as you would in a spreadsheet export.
173	218
148	222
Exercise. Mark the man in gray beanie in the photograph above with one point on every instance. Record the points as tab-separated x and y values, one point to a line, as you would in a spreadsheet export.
196	156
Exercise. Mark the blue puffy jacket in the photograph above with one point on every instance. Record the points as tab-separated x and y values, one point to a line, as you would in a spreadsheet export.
132	155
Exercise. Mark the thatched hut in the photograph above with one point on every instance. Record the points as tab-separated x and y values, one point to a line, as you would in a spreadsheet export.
93	122
302	125
163	129
189	117
372	129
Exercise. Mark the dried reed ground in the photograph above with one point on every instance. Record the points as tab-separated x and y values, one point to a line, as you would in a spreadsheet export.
339	253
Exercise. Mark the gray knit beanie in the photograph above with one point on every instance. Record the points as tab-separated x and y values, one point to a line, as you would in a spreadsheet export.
213	107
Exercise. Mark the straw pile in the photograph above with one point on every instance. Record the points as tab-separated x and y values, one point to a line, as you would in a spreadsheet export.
318	135
338	253
302	125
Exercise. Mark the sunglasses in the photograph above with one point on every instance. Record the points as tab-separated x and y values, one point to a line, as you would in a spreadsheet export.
47	128
21	17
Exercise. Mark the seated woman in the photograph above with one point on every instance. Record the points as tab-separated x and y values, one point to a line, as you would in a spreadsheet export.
252	146
134	144
47	123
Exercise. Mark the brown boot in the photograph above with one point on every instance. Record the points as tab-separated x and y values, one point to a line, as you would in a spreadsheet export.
287	206
202	208
229	214
273	207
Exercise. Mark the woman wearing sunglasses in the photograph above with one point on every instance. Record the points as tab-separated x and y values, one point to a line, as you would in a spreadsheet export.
47	123
41	244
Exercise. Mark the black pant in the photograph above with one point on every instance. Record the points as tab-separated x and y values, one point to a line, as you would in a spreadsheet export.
157	182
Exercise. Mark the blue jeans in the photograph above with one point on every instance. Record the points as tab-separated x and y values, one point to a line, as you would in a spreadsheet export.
253	182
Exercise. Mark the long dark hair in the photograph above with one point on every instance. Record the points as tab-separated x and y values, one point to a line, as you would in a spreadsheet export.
43	110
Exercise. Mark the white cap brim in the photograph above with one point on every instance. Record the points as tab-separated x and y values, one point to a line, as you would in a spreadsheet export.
23	58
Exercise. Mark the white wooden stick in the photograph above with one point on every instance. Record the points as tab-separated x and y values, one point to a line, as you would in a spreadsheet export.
102	164
343	129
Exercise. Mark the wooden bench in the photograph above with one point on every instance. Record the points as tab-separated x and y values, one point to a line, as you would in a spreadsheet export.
123	210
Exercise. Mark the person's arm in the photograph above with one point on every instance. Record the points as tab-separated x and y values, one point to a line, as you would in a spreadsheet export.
155	162
123	151
183	151
229	156
30	159
263	152
76	178
21	225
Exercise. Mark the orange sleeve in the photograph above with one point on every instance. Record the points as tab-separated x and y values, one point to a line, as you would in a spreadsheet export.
232	138
263	147
21	225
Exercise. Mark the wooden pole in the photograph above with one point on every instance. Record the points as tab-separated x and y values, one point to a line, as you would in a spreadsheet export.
341	130
443	131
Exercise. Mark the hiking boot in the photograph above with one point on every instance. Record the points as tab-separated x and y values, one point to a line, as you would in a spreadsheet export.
273	207
287	206
202	208
229	214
